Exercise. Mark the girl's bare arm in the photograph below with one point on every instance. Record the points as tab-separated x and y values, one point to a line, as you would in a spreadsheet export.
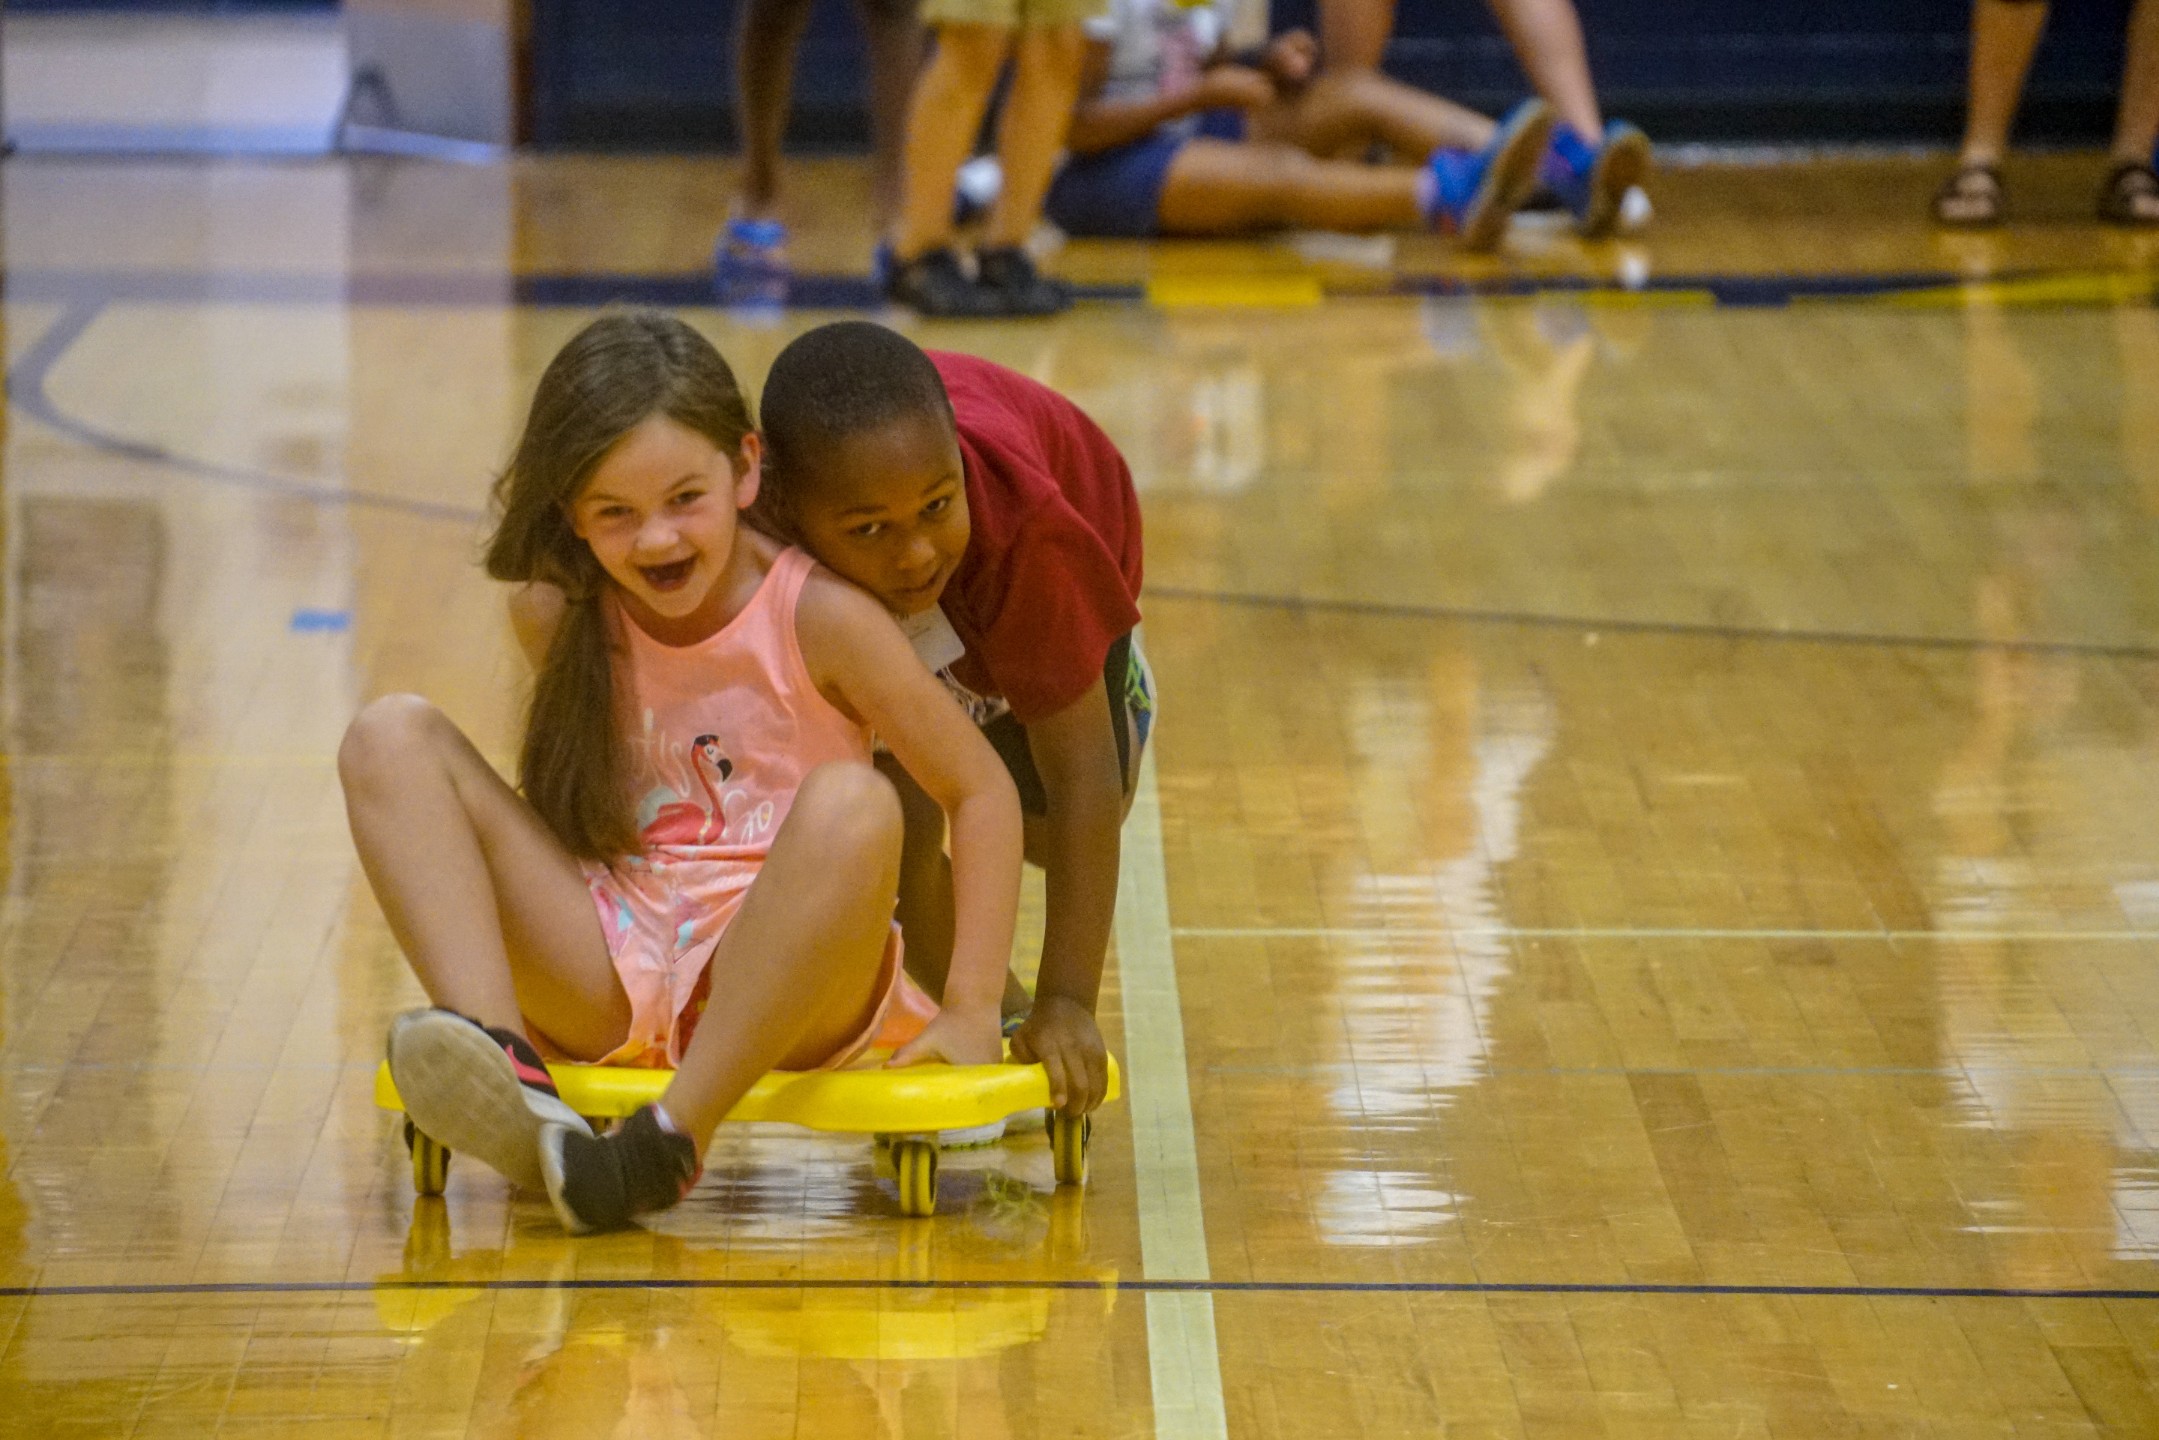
535	612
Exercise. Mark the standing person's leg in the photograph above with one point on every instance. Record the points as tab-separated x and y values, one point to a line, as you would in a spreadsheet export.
2005	33
895	45
949	101
1030	137
2131	194
1547	39
1353	34
765	47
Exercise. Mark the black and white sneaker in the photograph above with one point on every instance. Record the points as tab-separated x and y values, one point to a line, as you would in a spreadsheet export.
603	1184
478	1092
1009	273
934	284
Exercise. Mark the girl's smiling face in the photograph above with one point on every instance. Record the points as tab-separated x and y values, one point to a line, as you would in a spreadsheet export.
660	513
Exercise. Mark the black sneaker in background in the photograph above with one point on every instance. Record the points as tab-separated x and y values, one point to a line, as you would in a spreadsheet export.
1008	273
604	1184
933	284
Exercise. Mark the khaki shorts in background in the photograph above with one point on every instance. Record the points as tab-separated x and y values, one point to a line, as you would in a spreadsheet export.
1012	14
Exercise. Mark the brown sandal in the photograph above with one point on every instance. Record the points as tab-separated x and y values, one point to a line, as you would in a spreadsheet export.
1970	199
2130	196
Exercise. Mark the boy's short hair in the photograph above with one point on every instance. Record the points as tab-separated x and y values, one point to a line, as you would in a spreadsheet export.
836	382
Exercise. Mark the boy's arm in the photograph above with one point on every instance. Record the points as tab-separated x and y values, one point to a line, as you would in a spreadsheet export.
861	662
1075	751
535	614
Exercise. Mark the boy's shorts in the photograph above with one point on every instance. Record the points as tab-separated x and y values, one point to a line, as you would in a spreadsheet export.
1130	683
1011	14
1118	192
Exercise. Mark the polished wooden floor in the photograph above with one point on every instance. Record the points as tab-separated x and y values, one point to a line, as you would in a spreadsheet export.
1657	804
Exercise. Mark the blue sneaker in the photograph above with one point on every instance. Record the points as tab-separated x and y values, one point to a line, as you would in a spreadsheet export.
749	264
1593	180
1473	192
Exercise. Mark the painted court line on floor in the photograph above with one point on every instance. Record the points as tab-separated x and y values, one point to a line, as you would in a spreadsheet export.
1150	1288
1530	932
1182	1358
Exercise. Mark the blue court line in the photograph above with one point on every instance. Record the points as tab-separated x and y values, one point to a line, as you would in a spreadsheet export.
1468	614
27	391
1210	1287
859	292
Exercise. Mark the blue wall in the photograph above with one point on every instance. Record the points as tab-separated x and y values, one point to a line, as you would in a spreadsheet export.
659	72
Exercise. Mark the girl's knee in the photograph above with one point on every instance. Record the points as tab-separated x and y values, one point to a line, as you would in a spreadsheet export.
387	736
852	808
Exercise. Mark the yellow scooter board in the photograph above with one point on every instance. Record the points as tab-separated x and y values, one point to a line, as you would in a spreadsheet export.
902	1109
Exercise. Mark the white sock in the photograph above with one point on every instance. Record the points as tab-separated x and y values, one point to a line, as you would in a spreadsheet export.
667	1121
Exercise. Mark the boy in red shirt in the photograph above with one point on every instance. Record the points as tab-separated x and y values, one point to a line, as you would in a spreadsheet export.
1000	524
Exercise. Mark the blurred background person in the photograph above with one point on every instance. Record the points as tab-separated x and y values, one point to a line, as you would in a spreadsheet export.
1592	162
753	246
2005	33
1174	135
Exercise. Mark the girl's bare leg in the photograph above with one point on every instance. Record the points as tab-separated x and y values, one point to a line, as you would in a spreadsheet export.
1343	113
2005	33
1547	39
794	978
1218	188
949	100
2136	126
491	911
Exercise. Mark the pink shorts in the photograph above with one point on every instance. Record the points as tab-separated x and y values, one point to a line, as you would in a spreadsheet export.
662	944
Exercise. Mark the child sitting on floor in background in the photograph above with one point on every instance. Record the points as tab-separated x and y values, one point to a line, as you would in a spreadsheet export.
700	820
1176	136
1000	523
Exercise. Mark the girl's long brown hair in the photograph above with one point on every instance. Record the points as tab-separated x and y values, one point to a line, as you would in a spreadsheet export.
616	373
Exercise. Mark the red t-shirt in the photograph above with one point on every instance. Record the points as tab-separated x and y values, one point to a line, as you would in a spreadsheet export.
1051	575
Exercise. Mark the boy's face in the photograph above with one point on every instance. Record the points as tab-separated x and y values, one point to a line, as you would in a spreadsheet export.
890	512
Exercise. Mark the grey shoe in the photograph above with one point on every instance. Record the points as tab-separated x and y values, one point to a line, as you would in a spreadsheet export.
469	1090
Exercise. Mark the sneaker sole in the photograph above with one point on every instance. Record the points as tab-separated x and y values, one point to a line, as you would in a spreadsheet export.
1507	183
461	1091
974	1137
1621	165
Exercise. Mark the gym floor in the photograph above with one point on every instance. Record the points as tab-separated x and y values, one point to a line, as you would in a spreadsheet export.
1642	919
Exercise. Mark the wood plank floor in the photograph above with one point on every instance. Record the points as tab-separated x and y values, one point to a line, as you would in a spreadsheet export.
1656	815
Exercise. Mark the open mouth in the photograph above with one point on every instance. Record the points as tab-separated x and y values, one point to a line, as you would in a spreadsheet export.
671	576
